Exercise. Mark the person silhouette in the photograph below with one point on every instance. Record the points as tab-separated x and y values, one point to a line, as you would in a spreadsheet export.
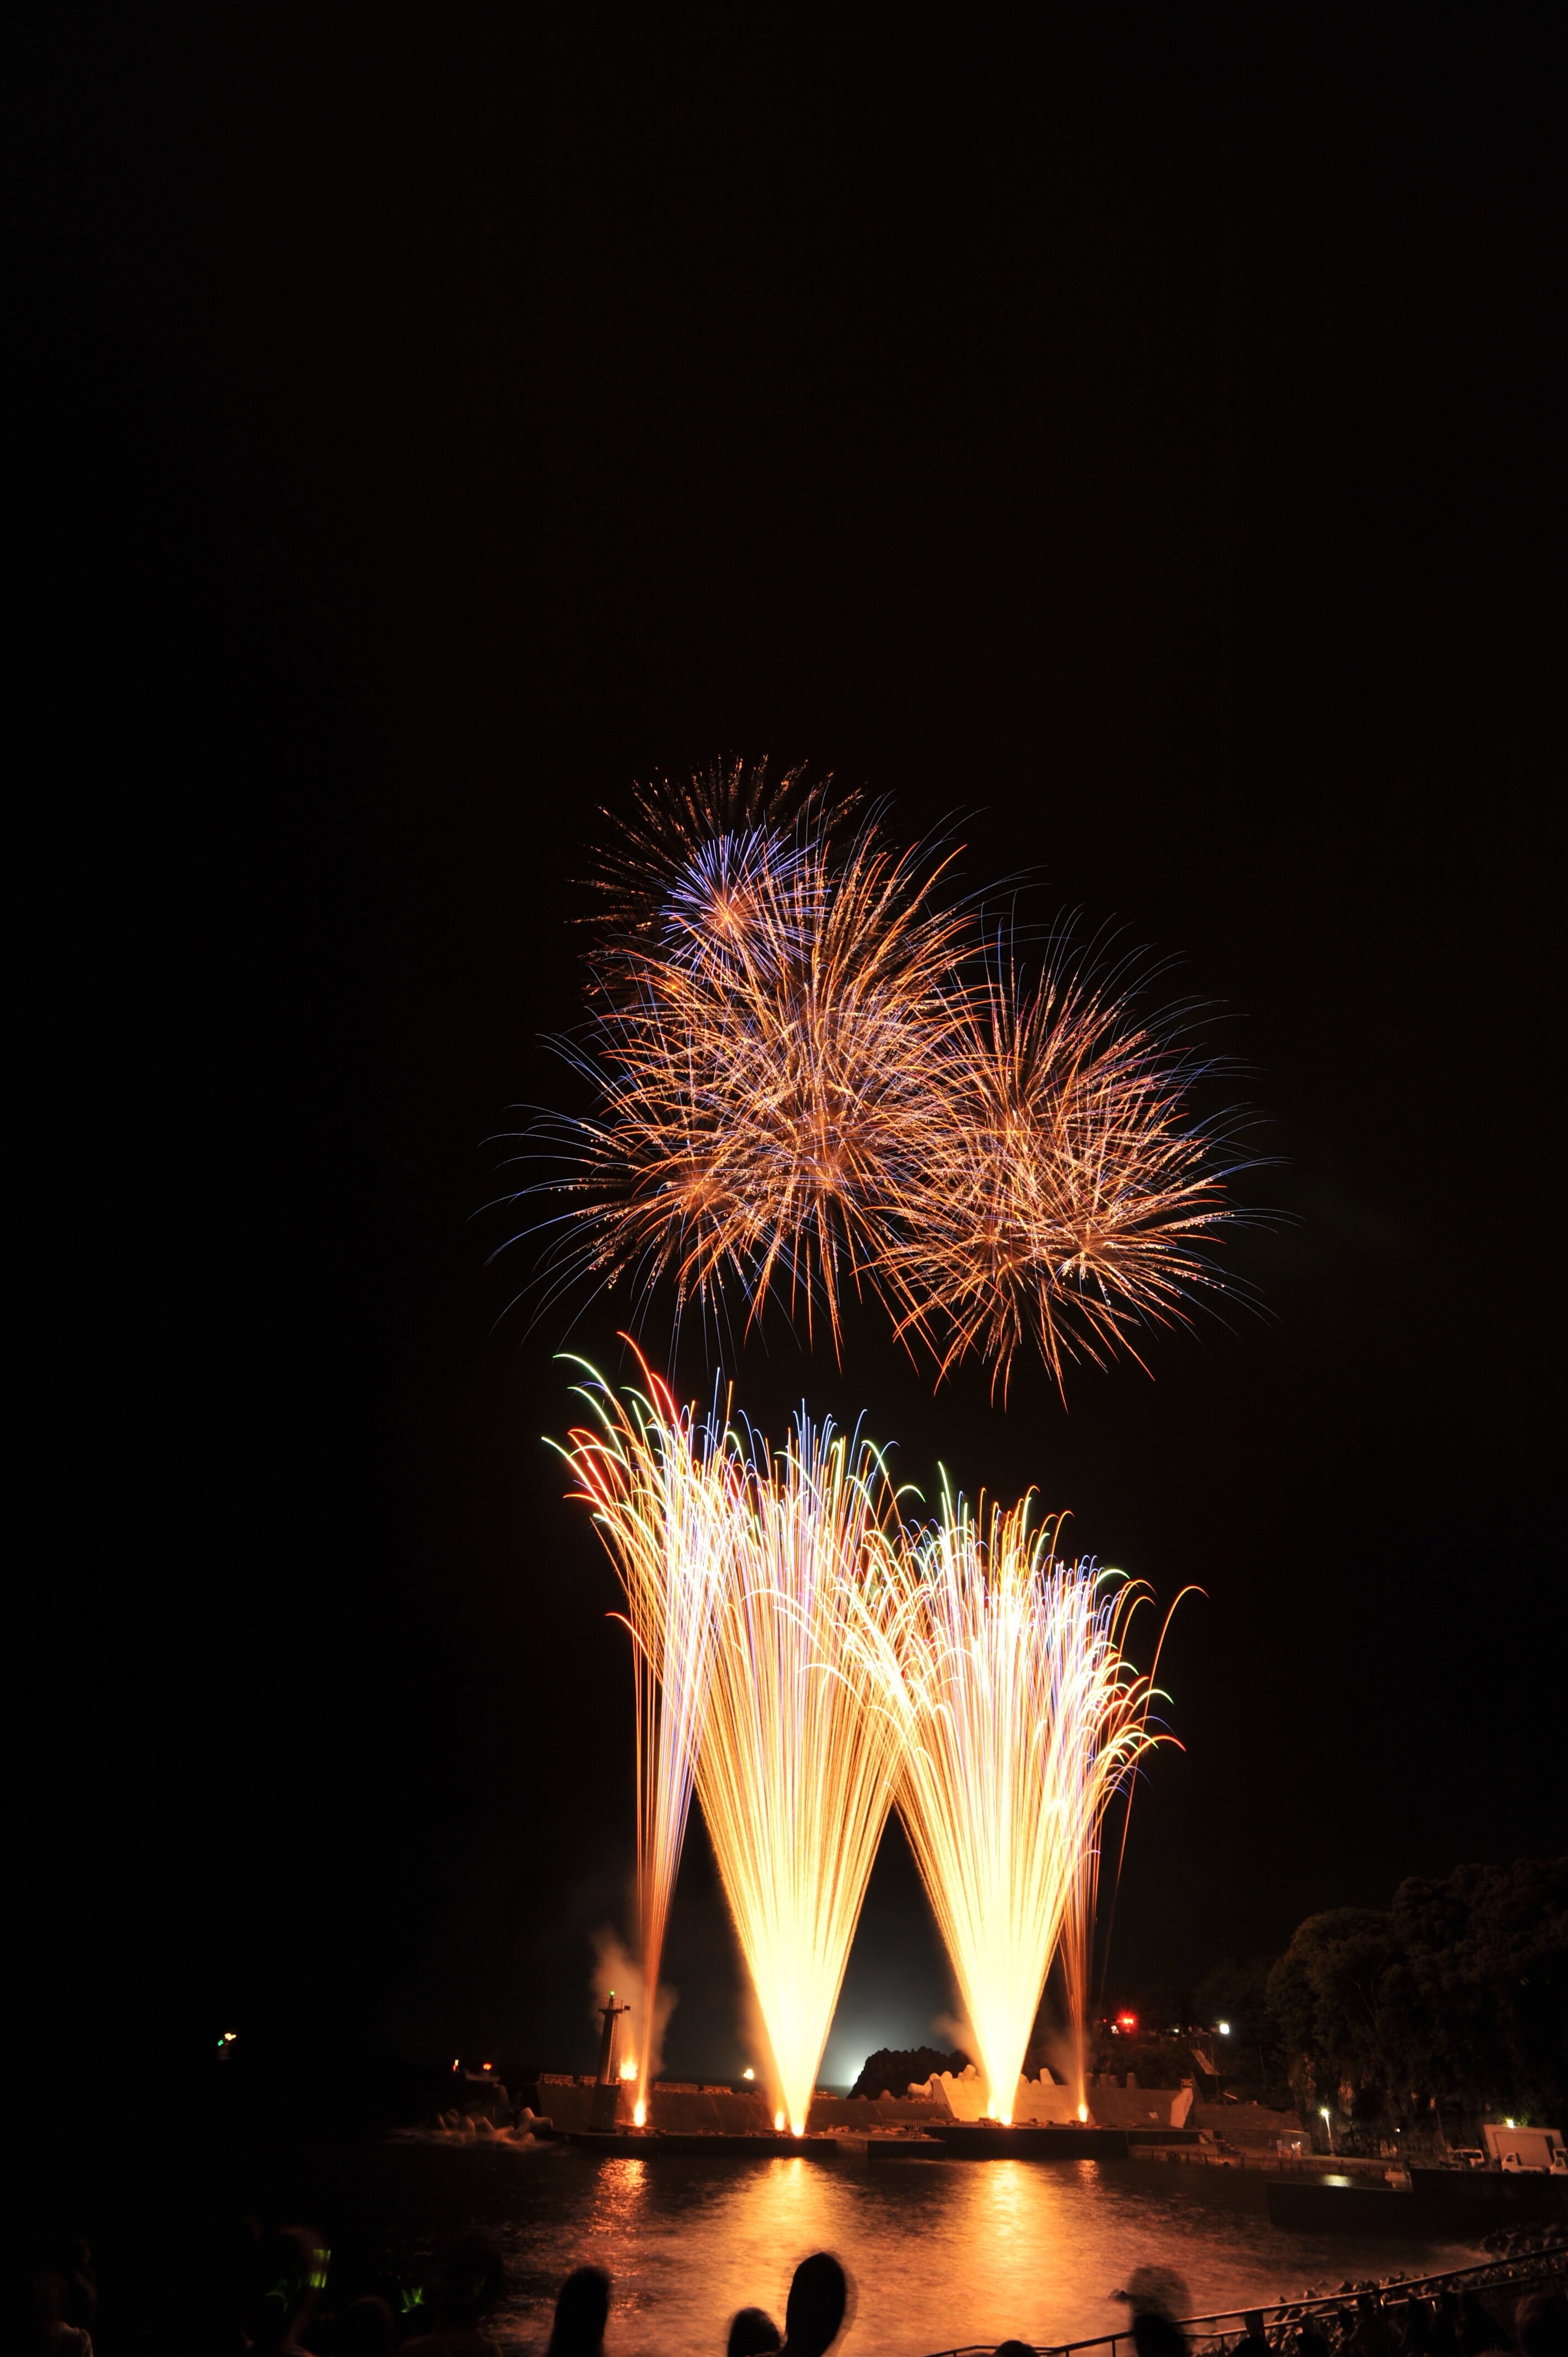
752	2333
364	2329
1540	2325
472	2282
1154	2335
1415	2324
1311	2341
813	2317
1478	2329
581	2311
1157	2295
288	2271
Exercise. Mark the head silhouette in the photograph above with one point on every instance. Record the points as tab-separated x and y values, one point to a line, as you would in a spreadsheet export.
752	2333
816	2299
581	2311
1540	2325
288	2270
471	2281
364	2329
1154	2335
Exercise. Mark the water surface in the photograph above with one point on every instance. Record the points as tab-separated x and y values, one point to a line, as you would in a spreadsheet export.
939	2253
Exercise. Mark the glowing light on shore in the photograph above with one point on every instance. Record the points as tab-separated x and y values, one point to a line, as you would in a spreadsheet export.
1020	1719
798	1764
656	1480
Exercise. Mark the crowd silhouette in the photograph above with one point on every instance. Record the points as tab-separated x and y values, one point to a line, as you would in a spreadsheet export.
272	2295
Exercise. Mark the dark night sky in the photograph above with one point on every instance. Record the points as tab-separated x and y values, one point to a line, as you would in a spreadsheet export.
1134	430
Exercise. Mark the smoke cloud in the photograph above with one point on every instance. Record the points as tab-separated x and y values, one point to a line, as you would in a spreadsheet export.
615	1968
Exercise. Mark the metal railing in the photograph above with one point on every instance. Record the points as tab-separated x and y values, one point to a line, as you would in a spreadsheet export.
1207	2335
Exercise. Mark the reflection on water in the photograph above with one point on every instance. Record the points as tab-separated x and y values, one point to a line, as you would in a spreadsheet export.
939	2254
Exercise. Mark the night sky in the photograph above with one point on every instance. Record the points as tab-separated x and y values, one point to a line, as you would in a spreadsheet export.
1132	435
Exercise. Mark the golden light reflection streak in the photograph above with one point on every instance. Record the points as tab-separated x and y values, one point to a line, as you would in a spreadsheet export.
659	1484
1020	1720
800	1756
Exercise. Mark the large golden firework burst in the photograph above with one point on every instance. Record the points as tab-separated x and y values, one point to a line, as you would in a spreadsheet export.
810	1077
764	1059
1065	1188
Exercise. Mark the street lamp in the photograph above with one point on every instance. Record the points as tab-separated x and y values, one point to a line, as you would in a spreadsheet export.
1328	2125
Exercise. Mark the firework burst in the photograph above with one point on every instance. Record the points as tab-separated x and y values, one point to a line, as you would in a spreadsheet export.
809	1078
681	877
1065	1188
763	1076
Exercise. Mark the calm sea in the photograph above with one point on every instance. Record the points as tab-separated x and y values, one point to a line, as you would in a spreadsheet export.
939	2254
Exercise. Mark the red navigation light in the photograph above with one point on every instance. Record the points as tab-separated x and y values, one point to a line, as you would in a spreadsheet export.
1126	2021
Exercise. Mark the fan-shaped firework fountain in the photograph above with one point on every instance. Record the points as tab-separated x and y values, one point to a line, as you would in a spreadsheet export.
659	1484
798	1765
737	1566
1020	1719
806	1657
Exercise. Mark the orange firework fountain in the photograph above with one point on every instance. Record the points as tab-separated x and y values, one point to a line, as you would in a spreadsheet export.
798	1765
1020	1720
735	1567
806	1659
659	1492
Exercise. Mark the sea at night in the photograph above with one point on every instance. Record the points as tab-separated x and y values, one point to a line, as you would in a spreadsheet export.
940	2254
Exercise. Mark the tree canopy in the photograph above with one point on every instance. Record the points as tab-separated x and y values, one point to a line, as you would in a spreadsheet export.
1457	1994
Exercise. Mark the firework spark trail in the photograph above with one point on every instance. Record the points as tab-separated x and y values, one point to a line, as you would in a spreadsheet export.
1020	1720
660	1489
799	1757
